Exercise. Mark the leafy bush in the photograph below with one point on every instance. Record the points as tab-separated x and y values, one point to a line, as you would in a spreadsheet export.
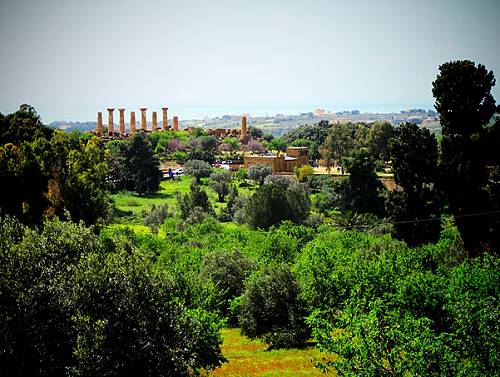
385	309
194	206
329	197
155	216
201	155
304	172
73	305
228	271
278	180
283	243
180	157
259	172
271	204
198	169
317	182
272	309
241	174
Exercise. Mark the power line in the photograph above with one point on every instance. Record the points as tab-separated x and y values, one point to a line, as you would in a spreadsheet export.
358	226
442	218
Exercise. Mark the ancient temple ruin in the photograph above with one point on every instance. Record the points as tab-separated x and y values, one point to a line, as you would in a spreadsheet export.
123	132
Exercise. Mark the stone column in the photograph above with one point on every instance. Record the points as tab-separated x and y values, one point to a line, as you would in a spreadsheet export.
122	121
111	129
176	123
243	126
165	118
132	122
144	124
154	126
99	124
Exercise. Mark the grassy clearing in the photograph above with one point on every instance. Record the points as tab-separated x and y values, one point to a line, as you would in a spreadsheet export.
250	358
129	206
130	202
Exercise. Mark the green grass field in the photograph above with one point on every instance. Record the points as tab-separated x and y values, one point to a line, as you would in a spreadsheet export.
129	206
251	358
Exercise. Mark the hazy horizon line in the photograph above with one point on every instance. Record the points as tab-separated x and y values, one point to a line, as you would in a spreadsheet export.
186	113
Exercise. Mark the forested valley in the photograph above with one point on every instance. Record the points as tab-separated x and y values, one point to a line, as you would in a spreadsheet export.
108	270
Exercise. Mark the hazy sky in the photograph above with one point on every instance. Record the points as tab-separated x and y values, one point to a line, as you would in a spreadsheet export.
72	58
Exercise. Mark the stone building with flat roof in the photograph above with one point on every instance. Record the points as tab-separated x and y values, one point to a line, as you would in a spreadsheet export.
282	163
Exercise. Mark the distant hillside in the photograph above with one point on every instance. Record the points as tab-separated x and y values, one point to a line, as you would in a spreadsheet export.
73	126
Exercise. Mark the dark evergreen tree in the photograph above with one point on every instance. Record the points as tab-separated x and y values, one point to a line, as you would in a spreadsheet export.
463	99
362	191
134	166
267	206
415	210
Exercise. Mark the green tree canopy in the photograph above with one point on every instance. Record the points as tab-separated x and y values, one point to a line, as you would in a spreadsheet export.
23	125
378	138
338	143
219	182
272	203
73	304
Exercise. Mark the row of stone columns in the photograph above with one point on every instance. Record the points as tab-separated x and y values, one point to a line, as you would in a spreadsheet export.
133	128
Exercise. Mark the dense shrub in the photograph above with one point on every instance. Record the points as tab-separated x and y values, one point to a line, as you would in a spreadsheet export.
272	309
198	169
259	172
228	271
194	206
332	265
386	309
155	216
304	172
271	204
73	305
317	182
283	243
278	180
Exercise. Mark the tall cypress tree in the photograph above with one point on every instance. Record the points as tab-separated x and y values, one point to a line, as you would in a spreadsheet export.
463	99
